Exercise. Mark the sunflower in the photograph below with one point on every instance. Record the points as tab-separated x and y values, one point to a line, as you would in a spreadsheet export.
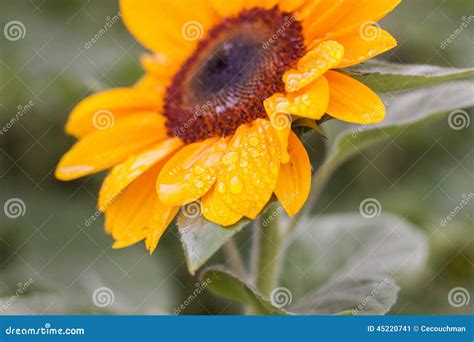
211	119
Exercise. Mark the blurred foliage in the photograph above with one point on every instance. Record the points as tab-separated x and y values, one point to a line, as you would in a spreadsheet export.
420	175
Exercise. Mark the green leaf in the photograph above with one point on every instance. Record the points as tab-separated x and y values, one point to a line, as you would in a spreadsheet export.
389	77
201	239
346	262
403	109
225	284
369	295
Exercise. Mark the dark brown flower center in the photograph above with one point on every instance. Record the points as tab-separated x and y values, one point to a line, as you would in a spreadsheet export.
239	64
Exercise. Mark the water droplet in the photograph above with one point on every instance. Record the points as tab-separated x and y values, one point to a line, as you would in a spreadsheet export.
221	188
235	185
230	158
199	170
256	180
253	141
254	153
198	183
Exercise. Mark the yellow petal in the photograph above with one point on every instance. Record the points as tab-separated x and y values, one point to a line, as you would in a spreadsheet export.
169	27
294	180
137	212
227	8
276	108
161	219
102	110
159	66
319	21
352	101
215	210
250	168
310	102
154	87
314	64
191	172
127	217
364	44
292	5
266	4
124	174
315	13
281	123
352	15
103	149
304	10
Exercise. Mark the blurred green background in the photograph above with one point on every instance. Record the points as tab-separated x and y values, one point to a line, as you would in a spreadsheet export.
422	174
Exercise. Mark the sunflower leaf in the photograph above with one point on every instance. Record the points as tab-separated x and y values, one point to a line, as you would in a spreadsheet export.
201	239
390	77
403	109
225	284
369	295
348	262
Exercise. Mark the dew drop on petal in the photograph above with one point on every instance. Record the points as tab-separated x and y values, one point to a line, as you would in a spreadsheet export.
235	185
221	188
253	141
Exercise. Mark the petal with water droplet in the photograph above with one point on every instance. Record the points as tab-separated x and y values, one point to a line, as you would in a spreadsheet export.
191	172
215	210
124	174
314	64
362	45
246	189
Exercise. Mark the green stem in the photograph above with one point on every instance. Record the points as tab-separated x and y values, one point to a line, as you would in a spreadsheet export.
267	244
233	257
